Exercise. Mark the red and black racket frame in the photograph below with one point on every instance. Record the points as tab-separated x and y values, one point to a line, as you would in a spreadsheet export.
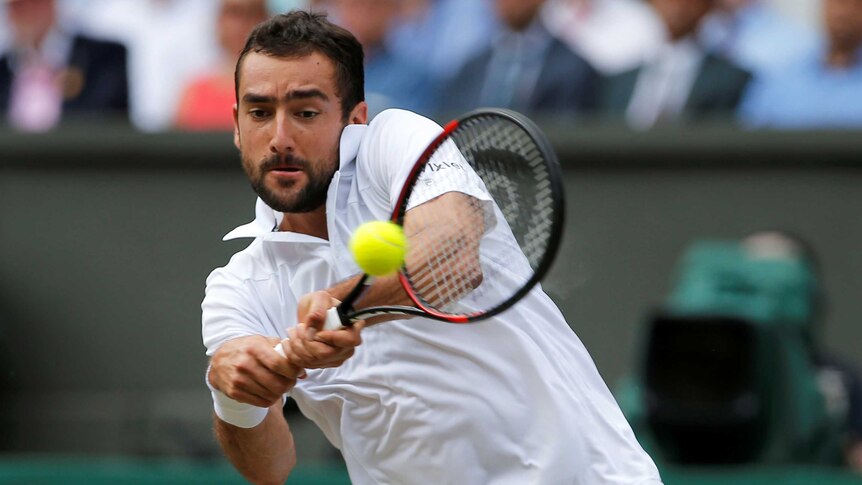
421	309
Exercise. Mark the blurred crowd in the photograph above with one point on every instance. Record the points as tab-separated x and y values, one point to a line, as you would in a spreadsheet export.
168	64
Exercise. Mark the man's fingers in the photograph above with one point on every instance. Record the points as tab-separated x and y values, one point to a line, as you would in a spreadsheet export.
281	362
285	365
248	368
306	349
265	381
273	340
313	354
343	355
276	384
343	337
247	389
300	354
313	307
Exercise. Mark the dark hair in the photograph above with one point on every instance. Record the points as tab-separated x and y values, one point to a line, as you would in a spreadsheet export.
299	33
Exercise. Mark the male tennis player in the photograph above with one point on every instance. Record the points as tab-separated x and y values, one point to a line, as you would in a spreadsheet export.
512	400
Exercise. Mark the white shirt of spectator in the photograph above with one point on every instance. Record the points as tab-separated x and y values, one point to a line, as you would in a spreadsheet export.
169	42
664	84
613	35
512	400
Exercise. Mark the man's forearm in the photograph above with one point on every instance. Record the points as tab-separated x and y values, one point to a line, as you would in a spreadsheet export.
386	290
264	454
454	218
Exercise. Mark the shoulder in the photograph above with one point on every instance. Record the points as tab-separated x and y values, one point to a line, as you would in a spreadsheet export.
562	61
238	299
393	142
104	51
393	131
559	50
249	264
474	67
777	88
720	67
401	120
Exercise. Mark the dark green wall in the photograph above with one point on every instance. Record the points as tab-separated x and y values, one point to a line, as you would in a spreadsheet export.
107	236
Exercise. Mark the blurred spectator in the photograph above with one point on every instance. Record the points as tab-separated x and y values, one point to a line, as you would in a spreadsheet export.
49	72
4	31
526	69
733	369
681	81
282	6
207	101
445	34
613	35
754	35
845	390
390	81
169	41
821	90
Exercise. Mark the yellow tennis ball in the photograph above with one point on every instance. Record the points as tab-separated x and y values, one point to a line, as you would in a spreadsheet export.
379	247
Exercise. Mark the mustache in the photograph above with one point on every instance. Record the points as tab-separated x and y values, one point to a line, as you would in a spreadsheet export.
276	161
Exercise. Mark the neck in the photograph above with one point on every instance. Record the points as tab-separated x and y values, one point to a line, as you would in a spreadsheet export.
311	223
523	24
842	57
30	44
32	37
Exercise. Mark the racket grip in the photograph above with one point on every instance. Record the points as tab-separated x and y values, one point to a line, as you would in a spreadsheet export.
280	350
333	319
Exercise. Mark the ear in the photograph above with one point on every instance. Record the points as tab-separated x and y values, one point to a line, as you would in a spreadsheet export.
359	114
236	140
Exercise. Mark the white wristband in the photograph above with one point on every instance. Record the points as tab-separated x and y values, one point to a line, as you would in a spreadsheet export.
239	414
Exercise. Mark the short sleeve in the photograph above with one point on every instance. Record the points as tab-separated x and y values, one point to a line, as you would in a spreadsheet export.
394	142
447	171
227	311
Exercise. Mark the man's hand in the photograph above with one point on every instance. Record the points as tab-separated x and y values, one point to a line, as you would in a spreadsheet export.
249	370
310	347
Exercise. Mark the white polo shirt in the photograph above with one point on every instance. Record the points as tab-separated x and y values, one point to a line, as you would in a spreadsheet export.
512	400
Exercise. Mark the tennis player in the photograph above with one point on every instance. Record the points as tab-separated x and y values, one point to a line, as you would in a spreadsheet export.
515	399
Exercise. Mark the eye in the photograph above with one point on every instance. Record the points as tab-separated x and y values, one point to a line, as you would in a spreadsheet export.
307	114
258	114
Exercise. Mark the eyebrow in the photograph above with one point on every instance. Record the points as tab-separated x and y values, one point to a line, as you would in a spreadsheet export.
252	98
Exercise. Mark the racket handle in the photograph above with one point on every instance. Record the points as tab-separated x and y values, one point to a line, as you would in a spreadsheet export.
280	350
333	319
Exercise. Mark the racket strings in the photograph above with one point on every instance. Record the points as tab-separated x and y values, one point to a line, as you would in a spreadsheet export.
497	231
516	173
443	263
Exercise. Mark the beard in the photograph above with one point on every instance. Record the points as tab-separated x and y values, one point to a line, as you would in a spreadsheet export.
284	196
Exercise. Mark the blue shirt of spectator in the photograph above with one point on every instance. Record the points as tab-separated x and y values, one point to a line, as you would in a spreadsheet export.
807	94
394	82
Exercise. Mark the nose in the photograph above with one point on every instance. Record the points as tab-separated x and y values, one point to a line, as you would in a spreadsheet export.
282	141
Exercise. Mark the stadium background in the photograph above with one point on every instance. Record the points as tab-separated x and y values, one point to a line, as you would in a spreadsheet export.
107	234
106	238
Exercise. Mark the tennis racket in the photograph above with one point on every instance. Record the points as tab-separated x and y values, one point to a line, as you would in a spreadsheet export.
482	211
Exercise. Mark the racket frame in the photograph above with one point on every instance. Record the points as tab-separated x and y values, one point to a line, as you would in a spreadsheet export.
345	315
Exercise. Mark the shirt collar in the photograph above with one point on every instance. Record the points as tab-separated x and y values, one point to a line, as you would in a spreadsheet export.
266	219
